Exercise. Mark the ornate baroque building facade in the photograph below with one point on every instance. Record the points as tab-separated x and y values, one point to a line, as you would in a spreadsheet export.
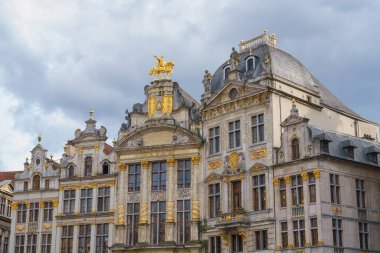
237	172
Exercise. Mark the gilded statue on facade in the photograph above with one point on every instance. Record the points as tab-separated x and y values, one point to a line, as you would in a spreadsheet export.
162	67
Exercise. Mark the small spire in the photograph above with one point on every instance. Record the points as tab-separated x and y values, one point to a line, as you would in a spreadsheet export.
51	157
26	159
294	110
92	113
293	101
39	138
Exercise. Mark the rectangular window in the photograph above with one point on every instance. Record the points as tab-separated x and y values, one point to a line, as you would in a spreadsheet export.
157	218
31	246
85	200
5	244
234	134
297	190
102	231
9	208
259	193
215	244
334	189
236	195
261	240
214	199
103	199
84	238
360	193
20	242
159	176
284	234
34	210
134	177
314	231
133	216
299	233
26	186
282	193
2	205
67	239
21	213
312	191
363	235
46	243
47	184
183	221
214	140
184	174
337	232
258	128
48	211
68	201
237	243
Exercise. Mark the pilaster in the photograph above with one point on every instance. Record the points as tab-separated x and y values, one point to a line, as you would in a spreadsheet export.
144	205
170	204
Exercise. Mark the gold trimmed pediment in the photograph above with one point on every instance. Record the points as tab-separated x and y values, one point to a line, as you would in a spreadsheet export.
258	167
213	177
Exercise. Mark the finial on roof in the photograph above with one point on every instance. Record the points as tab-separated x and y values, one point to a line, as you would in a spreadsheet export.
92	113
26	159
51	156
39	138
294	110
293	101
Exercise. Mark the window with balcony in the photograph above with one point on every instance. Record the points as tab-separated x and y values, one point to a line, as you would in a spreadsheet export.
214	143
159	176
284	234
234	134
31	246
88	166
314	231
360	193
214	199
21	213
102	231
133	216
20	242
261	240
297	190
157	218
257	128
184	174
312	190
363	235
334	189
259	193
68	201
67	239
104	199
84	238
295	145
237	243
215	244
86	200
34	210
48	211
236	195
46	243
183	221
134	177
299	233
282	193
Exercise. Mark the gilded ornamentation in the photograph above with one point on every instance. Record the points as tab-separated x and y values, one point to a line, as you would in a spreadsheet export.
42	204
168	104
337	210
161	67
211	165
96	147
80	150
170	211
20	228
120	214
304	176
195	211
111	183
233	160
276	182
195	160
145	164
46	226
27	205
144	213
225	239
151	106
307	244
287	179
317	174
213	176
122	166
257	154
320	243
170	162
14	206
243	235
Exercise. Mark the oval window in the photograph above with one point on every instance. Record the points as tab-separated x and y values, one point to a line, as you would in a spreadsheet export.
233	93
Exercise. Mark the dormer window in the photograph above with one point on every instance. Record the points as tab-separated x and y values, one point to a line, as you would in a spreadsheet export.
372	153
226	71
295	145
88	166
105	168
70	171
36	182
324	146
249	64
350	152
348	146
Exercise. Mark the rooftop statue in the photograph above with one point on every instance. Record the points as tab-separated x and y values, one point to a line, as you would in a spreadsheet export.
161	67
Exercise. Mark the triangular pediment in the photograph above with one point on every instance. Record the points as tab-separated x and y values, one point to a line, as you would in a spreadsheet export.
258	167
292	120
226	94
212	177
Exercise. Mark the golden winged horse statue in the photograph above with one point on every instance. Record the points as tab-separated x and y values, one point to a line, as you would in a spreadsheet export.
162	67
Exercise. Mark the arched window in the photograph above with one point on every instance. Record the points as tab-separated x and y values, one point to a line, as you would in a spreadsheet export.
225	72
70	171
36	182
88	166
249	64
295	149
106	168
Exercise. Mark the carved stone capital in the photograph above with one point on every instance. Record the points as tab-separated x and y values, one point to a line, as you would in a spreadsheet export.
287	179
55	202
317	173
145	165
276	182
122	166
170	162
196	160
304	176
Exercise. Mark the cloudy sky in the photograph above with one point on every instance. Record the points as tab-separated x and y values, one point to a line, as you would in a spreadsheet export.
58	59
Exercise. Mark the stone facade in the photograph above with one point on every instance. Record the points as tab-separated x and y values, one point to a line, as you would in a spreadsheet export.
6	195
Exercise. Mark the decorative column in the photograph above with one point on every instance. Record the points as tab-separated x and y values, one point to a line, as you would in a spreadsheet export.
305	180
276	206
195	215
12	235
144	205
289	212
169	225
95	169
80	161
56	240
55	230
59	202
77	199
93	238
120	228
76	239
95	199
317	176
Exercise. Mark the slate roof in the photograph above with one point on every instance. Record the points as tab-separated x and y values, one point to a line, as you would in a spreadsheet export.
285	66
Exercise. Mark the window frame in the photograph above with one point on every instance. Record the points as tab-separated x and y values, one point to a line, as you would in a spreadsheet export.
234	134
215	244
312	188
314	231
363	235
161	173
86	196
214	140
297	190
84	238
67	239
337	232
360	193
284	234
88	164
259	192
32	242
20	243
48	211
334	188
183	221
295	147
158	219
69	201
184	169
34	211
256	126
103	199
261	239
134	177
299	236
282	189
101	237
225	72
46	243
21	213
133	217
214	199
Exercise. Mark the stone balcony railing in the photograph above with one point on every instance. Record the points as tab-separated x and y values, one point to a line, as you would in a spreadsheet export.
232	219
264	38
298	211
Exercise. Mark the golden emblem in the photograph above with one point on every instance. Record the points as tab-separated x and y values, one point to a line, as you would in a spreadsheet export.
234	160
161	67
